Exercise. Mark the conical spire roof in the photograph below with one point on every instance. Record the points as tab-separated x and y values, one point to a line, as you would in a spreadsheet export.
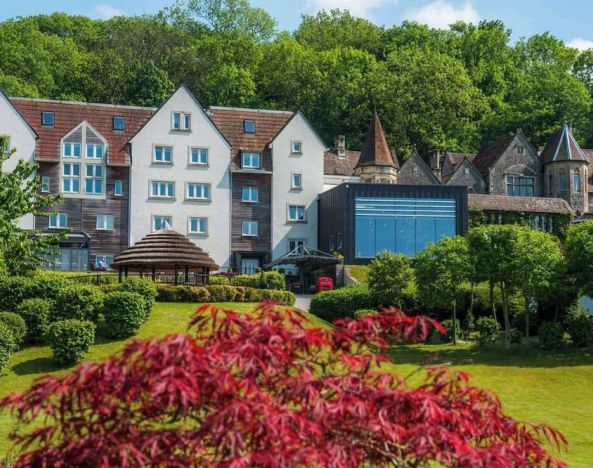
375	151
164	248
562	146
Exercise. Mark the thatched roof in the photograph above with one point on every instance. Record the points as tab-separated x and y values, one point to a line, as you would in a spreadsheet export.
519	204
166	249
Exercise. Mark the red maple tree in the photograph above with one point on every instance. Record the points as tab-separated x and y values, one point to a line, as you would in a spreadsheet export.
268	389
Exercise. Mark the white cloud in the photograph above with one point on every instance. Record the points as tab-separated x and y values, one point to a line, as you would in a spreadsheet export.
106	11
360	8
440	14
580	43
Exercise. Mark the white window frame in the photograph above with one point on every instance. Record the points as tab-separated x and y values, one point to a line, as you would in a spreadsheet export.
201	151
104	257
163	153
94	147
105	222
250	191
296	220
45	184
184	121
154	218
297	242
250	157
293	147
199	187
7	145
249	232
71	145
94	178
200	220
58	217
120	192
293	185
159	186
71	177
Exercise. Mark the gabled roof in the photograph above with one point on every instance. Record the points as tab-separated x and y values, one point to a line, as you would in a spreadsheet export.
68	115
375	151
562	146
406	174
519	204
465	162
19	113
488	156
333	164
452	161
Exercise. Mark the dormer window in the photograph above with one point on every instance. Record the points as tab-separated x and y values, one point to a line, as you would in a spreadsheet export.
249	126
250	161
47	119
181	121
520	148
119	123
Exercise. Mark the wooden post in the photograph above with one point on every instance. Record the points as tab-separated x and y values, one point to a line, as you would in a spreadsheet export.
119	271
126	271
175	274
186	275
153	274
141	271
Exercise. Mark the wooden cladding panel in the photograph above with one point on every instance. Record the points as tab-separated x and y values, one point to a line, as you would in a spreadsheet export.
244	211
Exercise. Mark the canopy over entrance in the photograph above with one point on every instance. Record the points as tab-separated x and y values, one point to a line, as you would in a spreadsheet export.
306	258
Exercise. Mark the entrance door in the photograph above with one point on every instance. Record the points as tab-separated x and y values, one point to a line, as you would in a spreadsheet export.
249	265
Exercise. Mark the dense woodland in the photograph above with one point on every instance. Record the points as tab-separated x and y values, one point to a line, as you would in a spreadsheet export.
454	89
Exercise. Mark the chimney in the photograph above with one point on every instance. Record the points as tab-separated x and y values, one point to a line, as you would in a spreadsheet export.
435	160
340	144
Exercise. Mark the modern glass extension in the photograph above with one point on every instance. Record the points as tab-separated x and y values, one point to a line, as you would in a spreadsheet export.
403	225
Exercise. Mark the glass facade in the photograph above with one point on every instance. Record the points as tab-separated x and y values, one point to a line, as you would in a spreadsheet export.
403	225
68	259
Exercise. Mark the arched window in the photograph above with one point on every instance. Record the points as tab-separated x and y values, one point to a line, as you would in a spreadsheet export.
576	180
563	181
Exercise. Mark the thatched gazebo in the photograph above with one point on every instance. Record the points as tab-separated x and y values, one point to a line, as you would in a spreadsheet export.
164	250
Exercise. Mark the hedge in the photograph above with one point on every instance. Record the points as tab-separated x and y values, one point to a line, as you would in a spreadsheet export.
579	325
125	312
14	290
145	287
487	329
340	303
7	346
551	335
263	280
220	293
16	324
78	302
36	313
70	340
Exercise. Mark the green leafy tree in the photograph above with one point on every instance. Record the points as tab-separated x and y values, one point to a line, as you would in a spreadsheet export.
148	85
579	255
389	275
440	271
20	195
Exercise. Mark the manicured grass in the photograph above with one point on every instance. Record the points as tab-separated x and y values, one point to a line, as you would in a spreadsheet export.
536	386
358	272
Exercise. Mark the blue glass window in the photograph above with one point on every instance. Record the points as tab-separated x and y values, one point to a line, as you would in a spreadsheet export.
47	118
249	126
119	122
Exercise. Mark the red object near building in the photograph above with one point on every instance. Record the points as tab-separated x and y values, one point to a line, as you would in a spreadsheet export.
324	283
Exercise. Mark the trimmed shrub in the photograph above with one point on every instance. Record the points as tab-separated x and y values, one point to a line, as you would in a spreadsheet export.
145	287
487	330
448	324
108	288
340	303
78	302
70	340
221	293
7	346
16	324
200	294
579	325
124	313
36	313
14	290
48	285
360	313
551	335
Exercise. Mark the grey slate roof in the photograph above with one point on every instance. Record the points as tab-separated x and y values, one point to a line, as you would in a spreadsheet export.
519	204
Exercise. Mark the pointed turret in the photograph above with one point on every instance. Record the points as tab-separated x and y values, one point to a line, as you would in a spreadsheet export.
377	163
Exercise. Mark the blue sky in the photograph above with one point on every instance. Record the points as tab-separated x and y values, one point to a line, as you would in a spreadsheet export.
570	20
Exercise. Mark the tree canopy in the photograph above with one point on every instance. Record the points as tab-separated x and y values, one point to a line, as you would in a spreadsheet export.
455	89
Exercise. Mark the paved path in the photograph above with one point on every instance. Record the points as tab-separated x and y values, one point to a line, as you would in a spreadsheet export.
303	302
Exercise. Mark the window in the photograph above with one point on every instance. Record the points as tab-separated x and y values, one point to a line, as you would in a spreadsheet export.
249	126
250	194
466	170
520	186
118	188
520	148
563	181
93	179
45	184
181	121
250	161
94	151
296	213
47	118
71	178
103	262
198	156
6	142
296	147
161	222
198	191
249	228
163	154
105	222
576	180
72	150
296	182
550	184
332	243
197	226
340	241
162	189
58	221
119	122
295	243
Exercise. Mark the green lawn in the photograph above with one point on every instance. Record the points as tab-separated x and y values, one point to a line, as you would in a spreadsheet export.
358	272
556	388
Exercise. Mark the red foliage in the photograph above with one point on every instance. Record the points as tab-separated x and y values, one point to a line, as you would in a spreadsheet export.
267	389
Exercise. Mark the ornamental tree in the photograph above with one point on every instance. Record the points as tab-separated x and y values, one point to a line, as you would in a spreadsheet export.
268	389
389	275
